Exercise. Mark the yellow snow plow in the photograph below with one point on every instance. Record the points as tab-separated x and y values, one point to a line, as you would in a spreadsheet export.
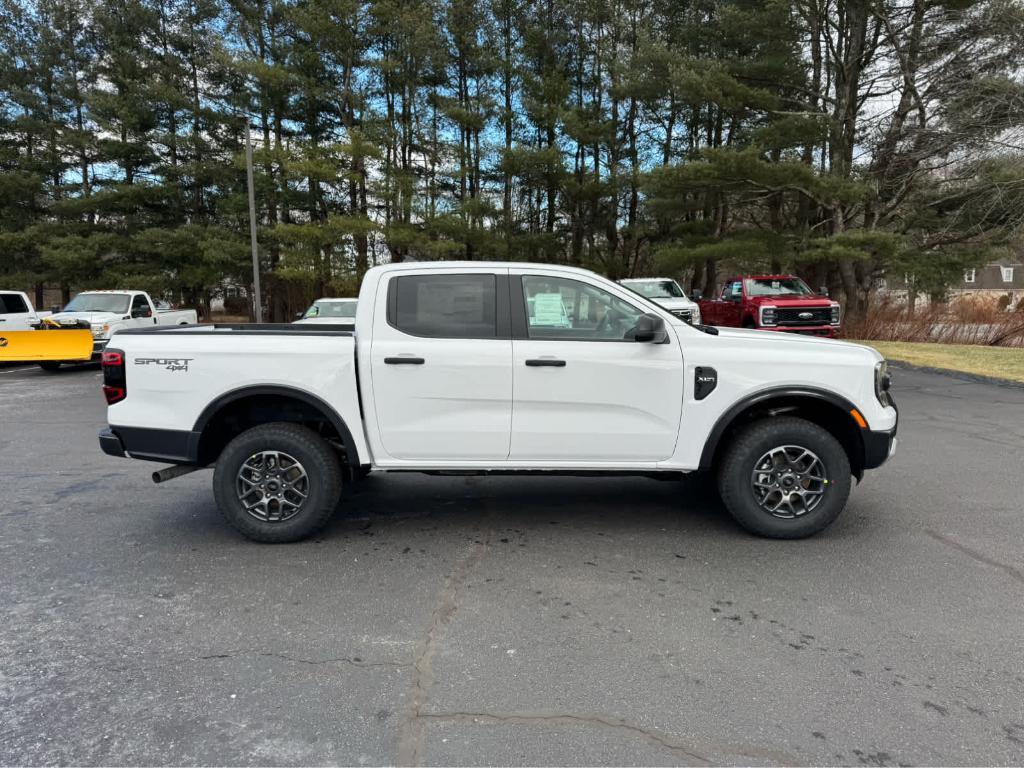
49	342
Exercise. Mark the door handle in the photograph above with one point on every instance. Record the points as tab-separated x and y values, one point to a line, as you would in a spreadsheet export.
404	361
545	362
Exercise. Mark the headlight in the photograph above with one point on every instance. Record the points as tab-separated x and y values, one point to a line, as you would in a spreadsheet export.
97	331
767	315
835	313
882	383
695	316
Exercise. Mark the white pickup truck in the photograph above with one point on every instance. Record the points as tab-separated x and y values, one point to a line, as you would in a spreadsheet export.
17	313
108	312
479	368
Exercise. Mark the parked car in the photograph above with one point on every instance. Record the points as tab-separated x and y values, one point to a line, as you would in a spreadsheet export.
17	312
773	303
108	312
471	368
666	292
331	311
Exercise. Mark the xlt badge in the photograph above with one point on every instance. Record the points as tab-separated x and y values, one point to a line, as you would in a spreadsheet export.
704	381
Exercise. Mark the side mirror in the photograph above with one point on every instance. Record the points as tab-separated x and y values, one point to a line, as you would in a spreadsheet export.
55	308
650	329
298	315
823	290
695	295
141	312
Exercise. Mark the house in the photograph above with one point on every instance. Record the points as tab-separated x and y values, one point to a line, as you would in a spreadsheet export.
996	279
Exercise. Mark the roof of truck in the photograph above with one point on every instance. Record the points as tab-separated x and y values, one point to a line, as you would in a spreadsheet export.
403	265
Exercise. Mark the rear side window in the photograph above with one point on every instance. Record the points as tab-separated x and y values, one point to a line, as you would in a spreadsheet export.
11	304
444	306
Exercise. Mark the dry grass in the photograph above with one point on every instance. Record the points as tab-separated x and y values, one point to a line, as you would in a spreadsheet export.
959	322
996	362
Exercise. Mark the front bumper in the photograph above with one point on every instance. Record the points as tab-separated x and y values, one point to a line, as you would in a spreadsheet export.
98	345
879	445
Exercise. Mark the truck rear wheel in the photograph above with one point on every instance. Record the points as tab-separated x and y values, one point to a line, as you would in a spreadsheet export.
784	478
50	366
277	482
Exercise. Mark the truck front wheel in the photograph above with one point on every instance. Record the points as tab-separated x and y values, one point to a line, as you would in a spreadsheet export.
784	478
277	482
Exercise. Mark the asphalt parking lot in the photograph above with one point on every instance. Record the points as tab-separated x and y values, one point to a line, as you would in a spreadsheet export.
512	621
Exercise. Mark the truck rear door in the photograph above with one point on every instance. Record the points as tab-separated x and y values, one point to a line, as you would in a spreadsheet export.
441	365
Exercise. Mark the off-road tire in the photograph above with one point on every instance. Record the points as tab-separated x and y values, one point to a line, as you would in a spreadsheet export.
740	459
318	460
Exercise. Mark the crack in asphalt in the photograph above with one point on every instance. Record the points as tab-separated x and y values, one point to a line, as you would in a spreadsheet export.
355	661
604	721
410	743
1015	573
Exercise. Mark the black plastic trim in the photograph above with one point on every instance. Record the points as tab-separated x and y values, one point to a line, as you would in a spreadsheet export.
167	445
877	445
332	415
708	454
404	361
110	443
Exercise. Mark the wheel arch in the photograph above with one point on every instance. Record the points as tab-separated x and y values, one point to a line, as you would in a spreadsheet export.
233	412
828	410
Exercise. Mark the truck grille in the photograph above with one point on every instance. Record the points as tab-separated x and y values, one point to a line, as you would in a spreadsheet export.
683	314
792	316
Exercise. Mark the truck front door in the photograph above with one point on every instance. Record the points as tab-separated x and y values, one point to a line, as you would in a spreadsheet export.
731	311
584	390
441	366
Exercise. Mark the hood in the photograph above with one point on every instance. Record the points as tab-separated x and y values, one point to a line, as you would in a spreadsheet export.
93	318
798	343
793	301
676	302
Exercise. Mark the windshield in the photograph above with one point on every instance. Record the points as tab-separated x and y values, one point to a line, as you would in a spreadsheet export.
777	286
331	309
99	302
656	289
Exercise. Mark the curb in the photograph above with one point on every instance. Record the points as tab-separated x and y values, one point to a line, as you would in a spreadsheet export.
962	375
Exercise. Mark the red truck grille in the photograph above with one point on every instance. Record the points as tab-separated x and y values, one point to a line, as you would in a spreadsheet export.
795	316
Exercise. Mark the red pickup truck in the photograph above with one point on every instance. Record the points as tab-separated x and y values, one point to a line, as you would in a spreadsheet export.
772	303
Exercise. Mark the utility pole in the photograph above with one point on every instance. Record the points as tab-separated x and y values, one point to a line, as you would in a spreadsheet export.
252	225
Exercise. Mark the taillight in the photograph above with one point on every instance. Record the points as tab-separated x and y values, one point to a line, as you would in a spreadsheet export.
115	388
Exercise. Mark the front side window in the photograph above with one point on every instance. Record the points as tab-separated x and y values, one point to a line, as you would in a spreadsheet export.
777	286
99	302
969	275
560	308
732	291
445	306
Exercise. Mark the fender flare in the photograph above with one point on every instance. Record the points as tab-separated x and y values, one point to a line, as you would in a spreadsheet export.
214	407
726	419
